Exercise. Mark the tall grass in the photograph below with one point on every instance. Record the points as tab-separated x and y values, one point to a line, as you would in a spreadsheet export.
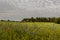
29	31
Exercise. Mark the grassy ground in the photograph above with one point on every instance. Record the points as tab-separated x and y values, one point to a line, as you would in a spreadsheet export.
29	31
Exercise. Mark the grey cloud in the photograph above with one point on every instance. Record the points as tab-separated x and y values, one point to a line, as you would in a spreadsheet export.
16	10
5	6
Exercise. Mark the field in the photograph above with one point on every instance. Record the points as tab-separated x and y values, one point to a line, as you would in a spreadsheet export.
29	31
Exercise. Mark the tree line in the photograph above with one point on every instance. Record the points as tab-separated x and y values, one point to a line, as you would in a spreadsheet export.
37	19
42	19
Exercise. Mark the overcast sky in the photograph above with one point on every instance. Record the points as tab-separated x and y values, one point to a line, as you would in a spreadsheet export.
19	9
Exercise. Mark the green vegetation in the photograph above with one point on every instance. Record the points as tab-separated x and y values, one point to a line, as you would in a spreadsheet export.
42	19
37	19
29	31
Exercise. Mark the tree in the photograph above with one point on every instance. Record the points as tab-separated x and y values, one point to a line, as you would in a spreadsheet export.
43	19
58	20
32	19
8	20
38	19
2	20
52	19
25	20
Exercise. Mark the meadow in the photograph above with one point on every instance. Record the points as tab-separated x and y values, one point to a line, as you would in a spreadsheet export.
29	31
